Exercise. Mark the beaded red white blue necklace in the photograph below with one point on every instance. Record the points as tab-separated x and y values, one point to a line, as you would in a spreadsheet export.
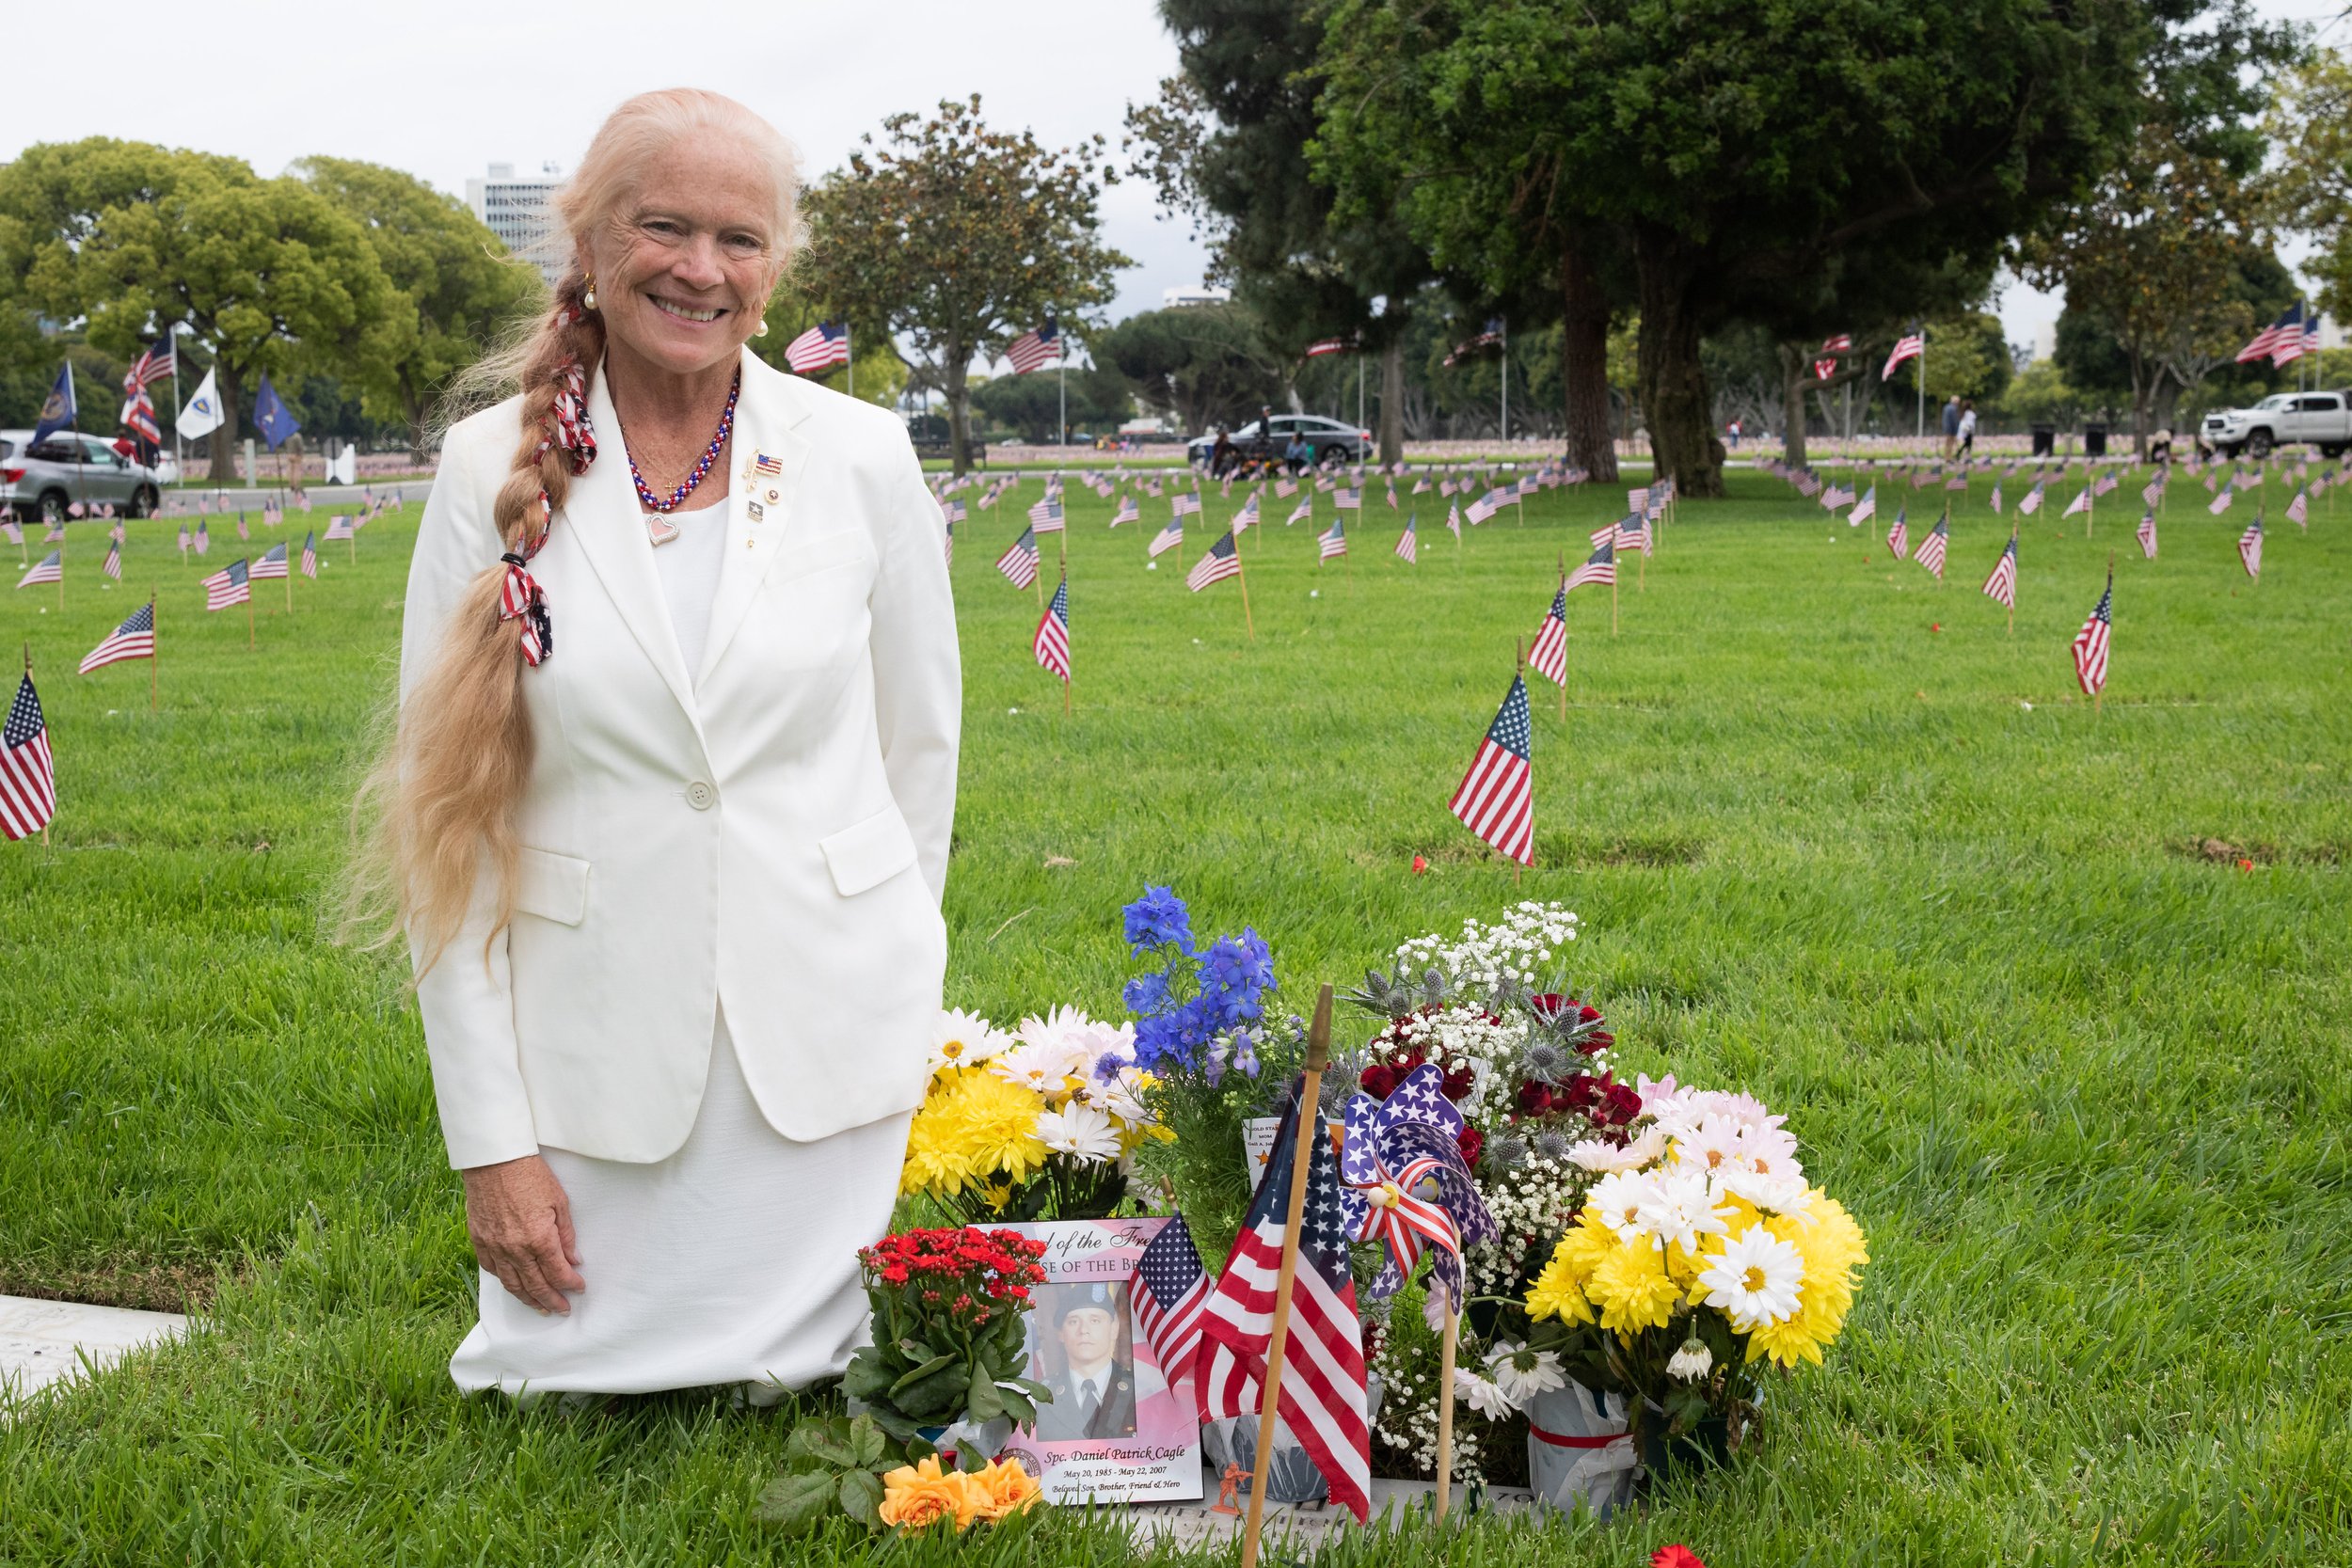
710	455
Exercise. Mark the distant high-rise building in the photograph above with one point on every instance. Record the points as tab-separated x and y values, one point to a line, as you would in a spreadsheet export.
521	212
2045	341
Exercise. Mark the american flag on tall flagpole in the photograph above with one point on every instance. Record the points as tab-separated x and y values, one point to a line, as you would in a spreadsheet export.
1598	567
2250	547
1019	562
1931	551
1171	1293
2091	643
2284	339
1826	366
310	556
1322	346
1550	657
228	586
1322	1394
1909	346
133	639
1408	551
1496	798
2001	587
272	563
154	363
1220	561
1332	541
1052	642
1045	516
1166	539
49	568
1899	536
28	775
1036	348
820	348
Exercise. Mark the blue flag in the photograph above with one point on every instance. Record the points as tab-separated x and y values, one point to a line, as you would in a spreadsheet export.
57	410
271	417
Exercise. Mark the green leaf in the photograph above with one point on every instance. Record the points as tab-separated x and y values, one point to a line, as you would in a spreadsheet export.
867	1442
1018	1407
861	1495
869	1377
830	1445
983	1402
970	1460
917	1375
801	1449
797	1502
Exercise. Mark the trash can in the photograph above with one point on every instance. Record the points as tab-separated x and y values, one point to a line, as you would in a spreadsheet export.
2094	440
2044	440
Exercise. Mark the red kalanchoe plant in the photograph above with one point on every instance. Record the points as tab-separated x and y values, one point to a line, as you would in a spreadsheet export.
948	1333
1676	1555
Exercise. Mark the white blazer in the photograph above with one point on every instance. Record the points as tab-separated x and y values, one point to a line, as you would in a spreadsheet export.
769	834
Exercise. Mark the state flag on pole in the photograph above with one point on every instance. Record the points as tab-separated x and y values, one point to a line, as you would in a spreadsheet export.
230	585
49	568
1496	798
1321	1399
1598	567
133	639
2147	534
1019	563
2001	587
1550	657
311	555
2091	643
1407	549
273	561
2250	547
200	416
28	776
1899	536
1221	561
1052	642
271	417
1931	551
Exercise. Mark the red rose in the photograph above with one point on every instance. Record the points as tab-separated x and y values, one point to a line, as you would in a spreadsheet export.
1583	1093
1586	1013
1534	1098
1459	1082
1379	1080
1546	1005
1471	1142
1624	1105
1596	1042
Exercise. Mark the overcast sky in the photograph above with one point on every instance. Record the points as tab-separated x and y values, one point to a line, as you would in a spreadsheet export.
443	90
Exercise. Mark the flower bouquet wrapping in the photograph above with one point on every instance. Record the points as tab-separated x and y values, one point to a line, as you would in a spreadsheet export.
1040	1123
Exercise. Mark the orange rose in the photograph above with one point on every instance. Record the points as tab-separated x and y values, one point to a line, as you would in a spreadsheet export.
916	1495
1003	1488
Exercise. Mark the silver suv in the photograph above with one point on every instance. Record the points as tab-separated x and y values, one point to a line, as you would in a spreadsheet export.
42	481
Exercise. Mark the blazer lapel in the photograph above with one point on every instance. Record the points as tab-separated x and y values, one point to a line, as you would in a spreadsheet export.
767	455
603	515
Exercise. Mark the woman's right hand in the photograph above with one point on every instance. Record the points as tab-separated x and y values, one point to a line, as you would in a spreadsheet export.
521	1227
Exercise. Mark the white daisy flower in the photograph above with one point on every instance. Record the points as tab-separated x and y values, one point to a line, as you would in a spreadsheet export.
1772	1194
1481	1395
1755	1281
1621	1198
1522	1374
1079	1129
1692	1362
1680	1210
1045	1064
1710	1145
962	1040
1600	1156
1770	1149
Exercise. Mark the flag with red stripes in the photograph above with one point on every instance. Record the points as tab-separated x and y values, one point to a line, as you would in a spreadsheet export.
1550	657
1019	563
1496	798
1221	561
2250	547
1171	1293
28	778
1931	551
2091	643
1899	536
1052	642
2147	535
1322	1394
1599	567
2001	587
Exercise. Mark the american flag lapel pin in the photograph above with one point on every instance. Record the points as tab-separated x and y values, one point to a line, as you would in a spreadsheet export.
767	467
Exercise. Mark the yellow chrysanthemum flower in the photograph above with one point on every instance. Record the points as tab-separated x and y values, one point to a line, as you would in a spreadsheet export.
1832	1247
973	1126
1633	1291
1588	1242
1558	1291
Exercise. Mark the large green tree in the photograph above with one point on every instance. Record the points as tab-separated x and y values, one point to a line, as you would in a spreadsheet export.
954	239
2311	187
454	289
1206	364
136	239
1735	149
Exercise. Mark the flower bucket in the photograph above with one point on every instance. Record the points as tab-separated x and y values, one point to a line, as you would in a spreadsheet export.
1579	1453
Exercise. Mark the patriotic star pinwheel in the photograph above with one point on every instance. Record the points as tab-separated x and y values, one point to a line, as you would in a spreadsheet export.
1405	1184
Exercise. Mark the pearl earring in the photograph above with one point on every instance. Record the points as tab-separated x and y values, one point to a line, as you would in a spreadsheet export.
588	297
761	330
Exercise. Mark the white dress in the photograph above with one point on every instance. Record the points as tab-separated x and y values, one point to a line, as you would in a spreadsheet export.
734	1260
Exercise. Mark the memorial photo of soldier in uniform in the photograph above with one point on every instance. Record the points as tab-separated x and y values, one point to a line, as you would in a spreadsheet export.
1083	1345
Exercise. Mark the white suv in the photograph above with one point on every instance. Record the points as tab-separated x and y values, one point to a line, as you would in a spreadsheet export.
2323	419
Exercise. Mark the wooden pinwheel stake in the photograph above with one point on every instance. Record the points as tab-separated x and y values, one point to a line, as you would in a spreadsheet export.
1277	1340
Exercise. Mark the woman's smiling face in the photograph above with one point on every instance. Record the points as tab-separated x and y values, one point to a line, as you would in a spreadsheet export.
684	272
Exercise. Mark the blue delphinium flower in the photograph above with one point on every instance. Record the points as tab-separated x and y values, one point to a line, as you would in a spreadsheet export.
1235	972
1146	994
1158	919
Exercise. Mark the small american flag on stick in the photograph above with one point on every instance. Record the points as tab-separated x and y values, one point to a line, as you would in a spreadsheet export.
1931	551
1019	563
49	568
1332	541
2001	587
228	586
1496	798
1170	1293
2147	534
1045	516
1166	539
28	776
1899	536
2091	643
1598	567
1407	549
133	639
1221	561
272	563
2250	547
1550	657
1052	642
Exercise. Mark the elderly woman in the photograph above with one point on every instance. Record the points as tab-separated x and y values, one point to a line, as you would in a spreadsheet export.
667	814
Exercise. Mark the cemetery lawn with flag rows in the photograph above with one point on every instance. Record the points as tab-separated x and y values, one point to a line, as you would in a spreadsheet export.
2060	1004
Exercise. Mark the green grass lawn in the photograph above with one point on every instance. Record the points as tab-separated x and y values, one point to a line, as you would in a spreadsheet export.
2085	1084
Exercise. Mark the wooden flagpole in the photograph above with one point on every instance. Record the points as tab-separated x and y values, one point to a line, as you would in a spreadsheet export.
1247	619
1519	671
249	612
2013	583
1613	593
1446	1351
1302	1150
290	587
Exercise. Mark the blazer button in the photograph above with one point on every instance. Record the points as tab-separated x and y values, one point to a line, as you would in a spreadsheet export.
701	795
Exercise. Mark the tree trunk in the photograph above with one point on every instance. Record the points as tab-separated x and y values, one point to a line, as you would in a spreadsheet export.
956	366
1674	382
1589	442
1392	399
1796	370
224	437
